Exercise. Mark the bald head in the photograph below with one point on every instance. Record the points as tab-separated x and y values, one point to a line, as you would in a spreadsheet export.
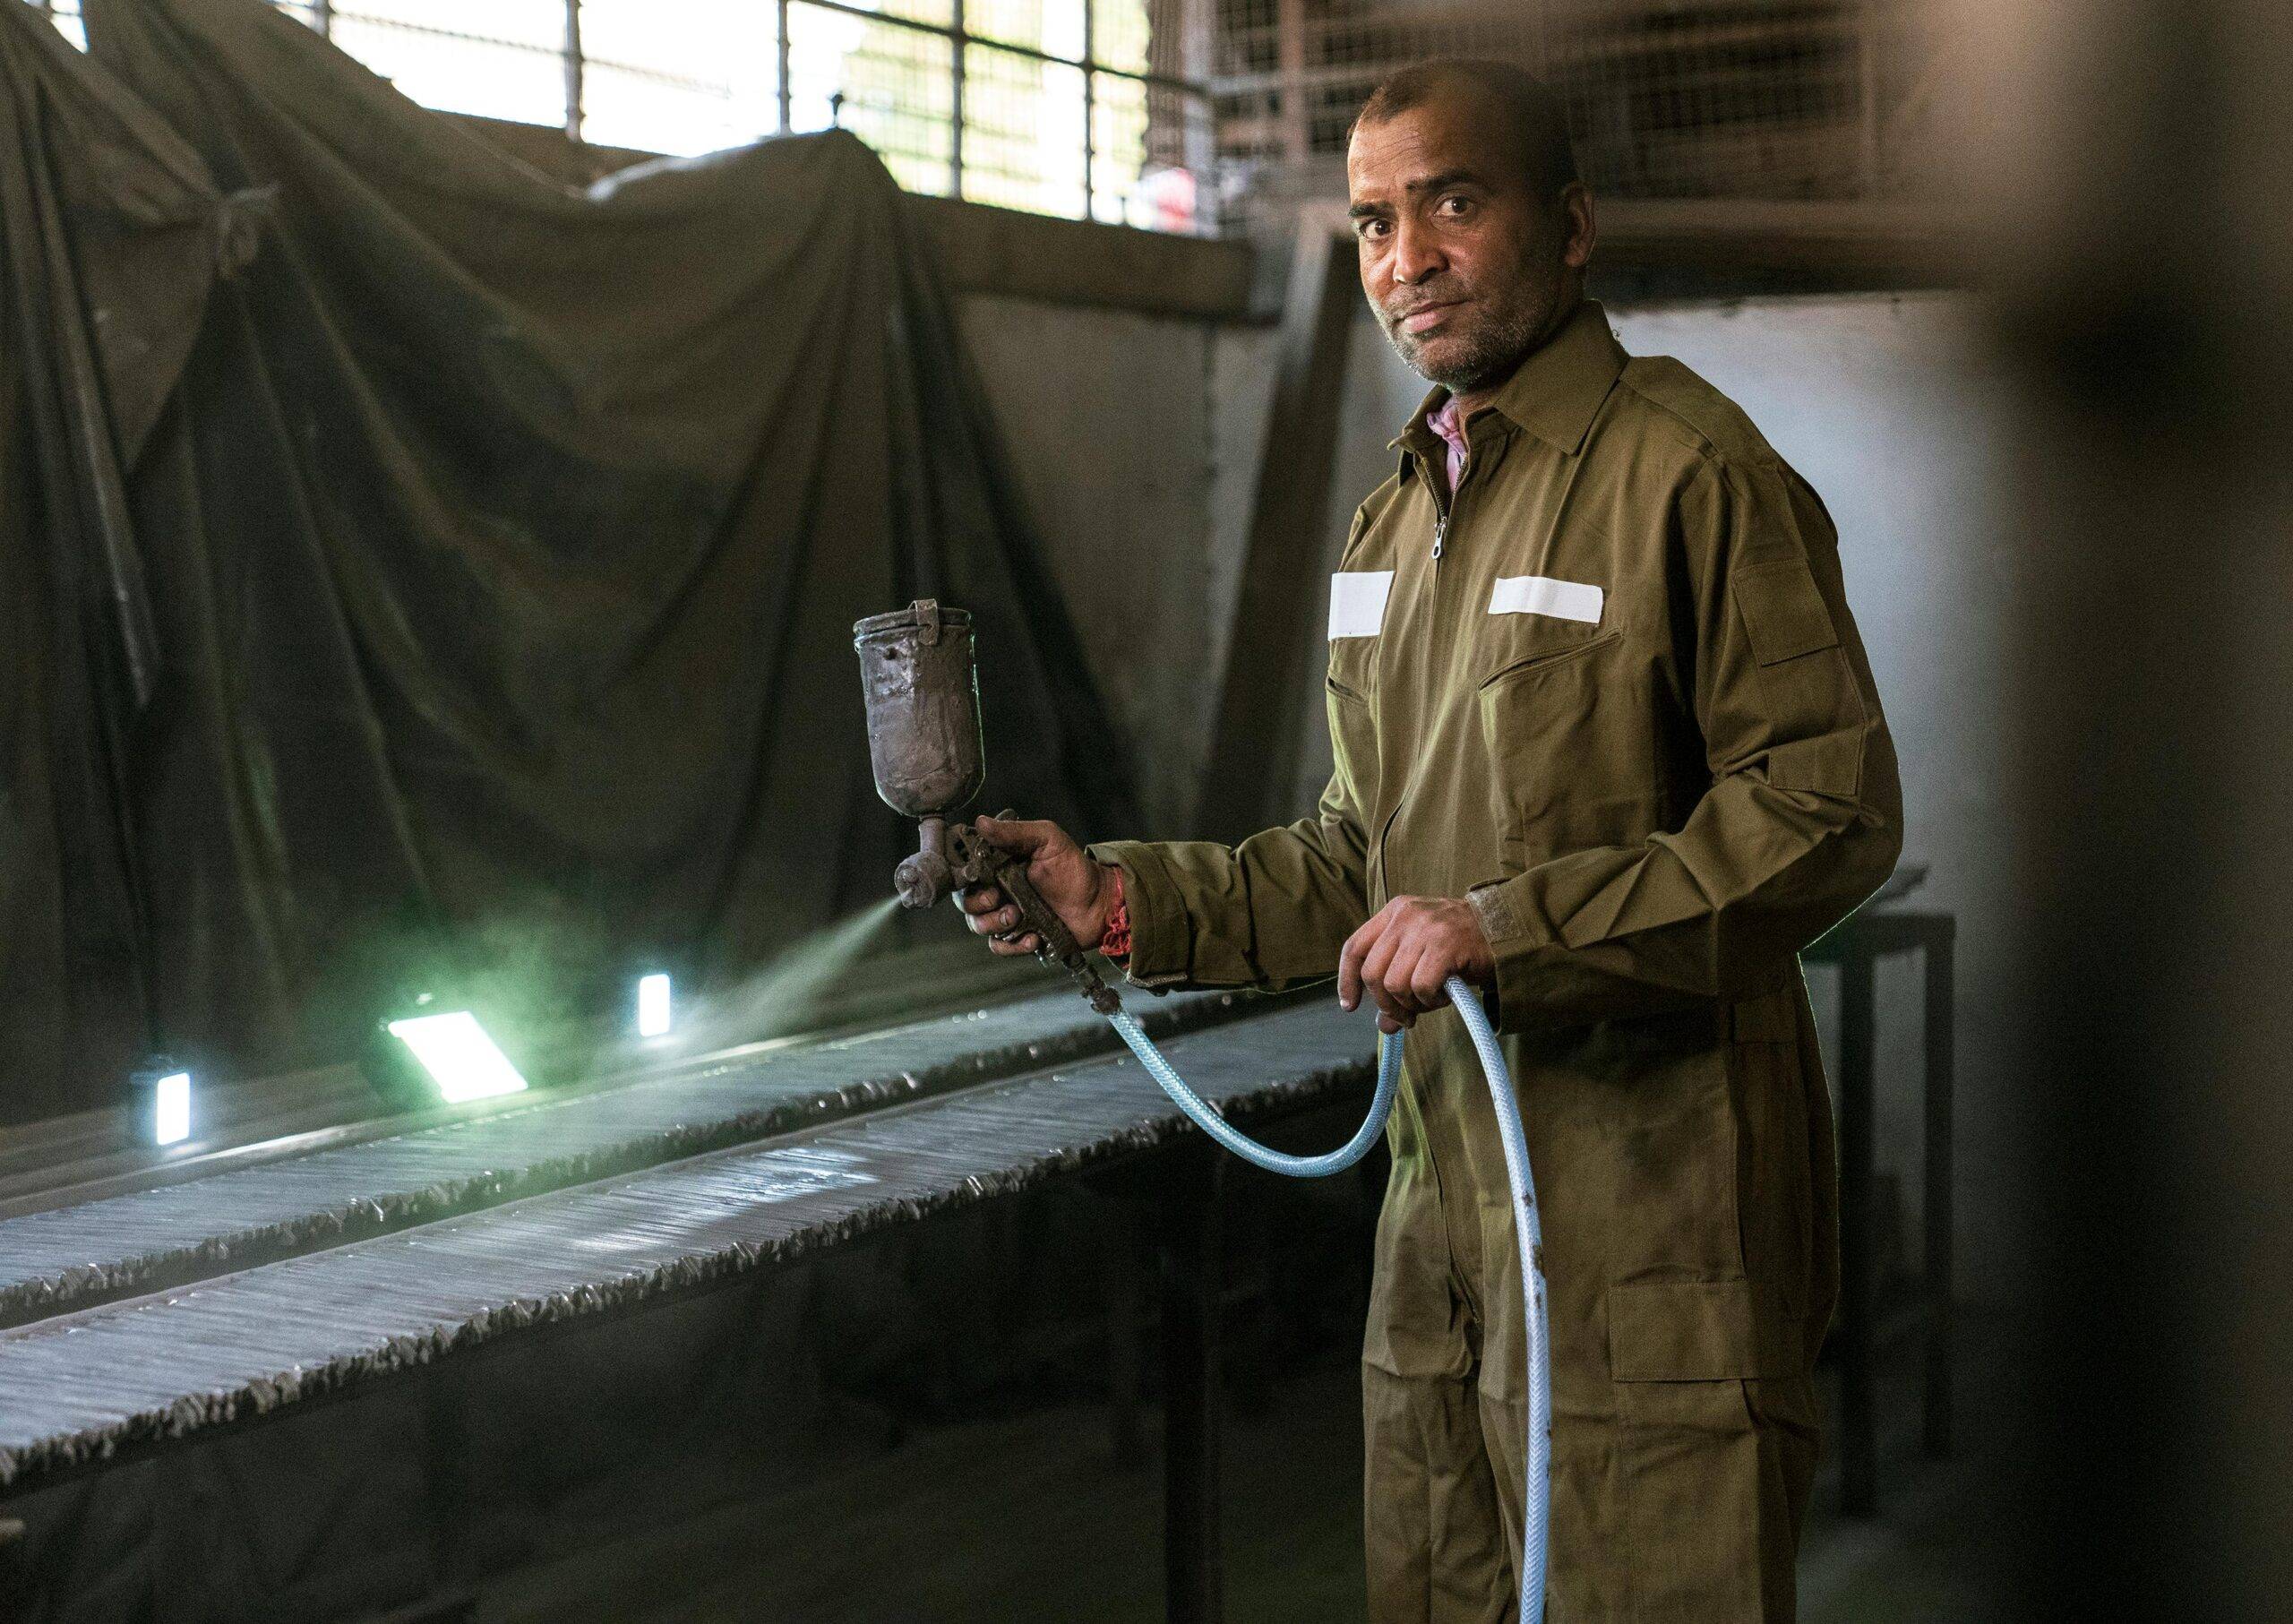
1525	118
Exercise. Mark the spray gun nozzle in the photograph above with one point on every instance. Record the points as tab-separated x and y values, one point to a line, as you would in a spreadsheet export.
926	877
922	882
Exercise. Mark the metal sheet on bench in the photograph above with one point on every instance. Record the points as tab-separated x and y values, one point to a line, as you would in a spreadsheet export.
55	1261
79	1388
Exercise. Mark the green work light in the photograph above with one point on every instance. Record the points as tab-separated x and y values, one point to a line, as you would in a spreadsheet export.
460	1057
161	1109
653	1006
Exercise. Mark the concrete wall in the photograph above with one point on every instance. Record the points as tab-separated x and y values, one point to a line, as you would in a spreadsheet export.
1136	438
1106	416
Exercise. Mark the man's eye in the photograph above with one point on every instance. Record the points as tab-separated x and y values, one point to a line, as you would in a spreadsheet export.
1454	207
1373	228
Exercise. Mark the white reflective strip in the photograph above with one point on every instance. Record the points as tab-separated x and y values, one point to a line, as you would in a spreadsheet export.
1543	595
1357	602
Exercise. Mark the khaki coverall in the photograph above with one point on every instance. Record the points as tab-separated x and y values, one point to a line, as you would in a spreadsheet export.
1654	794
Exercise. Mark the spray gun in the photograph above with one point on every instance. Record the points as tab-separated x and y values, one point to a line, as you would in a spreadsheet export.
923	741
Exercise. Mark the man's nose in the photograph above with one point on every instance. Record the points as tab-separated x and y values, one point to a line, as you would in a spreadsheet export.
1417	253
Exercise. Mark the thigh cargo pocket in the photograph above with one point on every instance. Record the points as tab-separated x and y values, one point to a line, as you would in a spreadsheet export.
1708	1486
1701	1330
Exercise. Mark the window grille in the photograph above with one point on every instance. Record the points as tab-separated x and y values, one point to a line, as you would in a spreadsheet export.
1059	107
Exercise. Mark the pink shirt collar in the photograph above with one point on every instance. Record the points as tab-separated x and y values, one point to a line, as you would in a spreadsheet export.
1444	422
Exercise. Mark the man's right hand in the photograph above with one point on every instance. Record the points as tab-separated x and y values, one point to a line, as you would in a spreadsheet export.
1080	890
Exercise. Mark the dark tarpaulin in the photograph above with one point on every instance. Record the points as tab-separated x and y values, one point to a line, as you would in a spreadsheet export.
113	233
486	578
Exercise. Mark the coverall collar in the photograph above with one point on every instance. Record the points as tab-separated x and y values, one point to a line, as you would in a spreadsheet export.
1554	393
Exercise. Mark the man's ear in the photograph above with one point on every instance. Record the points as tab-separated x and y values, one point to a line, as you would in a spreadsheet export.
1576	214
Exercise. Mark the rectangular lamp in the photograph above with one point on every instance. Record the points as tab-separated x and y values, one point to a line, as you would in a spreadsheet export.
160	1101
460	1057
171	1109
653	1006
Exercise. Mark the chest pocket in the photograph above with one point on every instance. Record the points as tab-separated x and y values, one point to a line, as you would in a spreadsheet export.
1573	760
1534	618
1358	602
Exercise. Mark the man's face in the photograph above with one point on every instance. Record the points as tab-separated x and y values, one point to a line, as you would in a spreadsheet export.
1466	269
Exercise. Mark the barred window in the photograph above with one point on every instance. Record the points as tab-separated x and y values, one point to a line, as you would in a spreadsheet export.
1049	105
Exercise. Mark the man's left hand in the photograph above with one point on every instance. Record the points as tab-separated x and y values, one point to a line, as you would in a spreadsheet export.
1405	952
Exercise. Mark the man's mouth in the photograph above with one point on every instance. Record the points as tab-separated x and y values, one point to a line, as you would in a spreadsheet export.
1423	318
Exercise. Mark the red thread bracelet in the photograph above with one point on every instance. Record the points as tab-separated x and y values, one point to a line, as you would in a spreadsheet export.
1115	941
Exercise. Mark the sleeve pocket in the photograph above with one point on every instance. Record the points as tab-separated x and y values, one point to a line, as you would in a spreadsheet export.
1783	610
1829	764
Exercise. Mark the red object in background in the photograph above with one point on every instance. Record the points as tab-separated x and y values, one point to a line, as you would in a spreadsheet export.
1169	198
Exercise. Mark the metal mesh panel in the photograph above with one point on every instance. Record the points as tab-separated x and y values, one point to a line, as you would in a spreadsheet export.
1121	35
1023	131
1057	28
680	76
515	69
1118	141
893	86
1666	98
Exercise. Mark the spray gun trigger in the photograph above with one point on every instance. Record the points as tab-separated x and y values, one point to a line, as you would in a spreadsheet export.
1058	943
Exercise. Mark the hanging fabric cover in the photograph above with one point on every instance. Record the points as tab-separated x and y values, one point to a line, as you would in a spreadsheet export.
421	568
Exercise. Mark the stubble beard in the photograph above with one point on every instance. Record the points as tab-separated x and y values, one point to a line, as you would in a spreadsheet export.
1474	360
1481	358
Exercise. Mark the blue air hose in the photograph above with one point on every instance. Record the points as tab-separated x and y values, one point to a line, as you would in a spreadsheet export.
1526	1226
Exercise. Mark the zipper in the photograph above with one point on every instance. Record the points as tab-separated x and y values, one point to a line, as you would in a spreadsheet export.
1441	518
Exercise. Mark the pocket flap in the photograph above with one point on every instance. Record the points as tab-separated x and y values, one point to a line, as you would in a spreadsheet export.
1357	602
1543	595
1783	610
1700	1330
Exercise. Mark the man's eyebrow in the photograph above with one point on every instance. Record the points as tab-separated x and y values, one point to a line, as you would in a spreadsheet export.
1445	180
1442	182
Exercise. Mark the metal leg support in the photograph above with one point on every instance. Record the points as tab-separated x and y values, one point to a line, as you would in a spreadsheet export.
1941	1036
1192	1281
1125	1312
16	1582
1858	1288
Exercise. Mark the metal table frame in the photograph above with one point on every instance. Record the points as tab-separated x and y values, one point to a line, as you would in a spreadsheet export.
1866	1325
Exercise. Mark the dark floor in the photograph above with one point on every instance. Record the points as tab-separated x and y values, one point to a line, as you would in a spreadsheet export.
1030	1519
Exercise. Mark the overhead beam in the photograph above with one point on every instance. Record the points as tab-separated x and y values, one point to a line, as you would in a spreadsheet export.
1844	237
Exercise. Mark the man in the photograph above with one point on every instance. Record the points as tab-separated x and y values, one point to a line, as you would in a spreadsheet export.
1607	746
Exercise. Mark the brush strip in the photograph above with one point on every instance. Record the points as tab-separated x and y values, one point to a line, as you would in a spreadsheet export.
81	1388
74	1257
